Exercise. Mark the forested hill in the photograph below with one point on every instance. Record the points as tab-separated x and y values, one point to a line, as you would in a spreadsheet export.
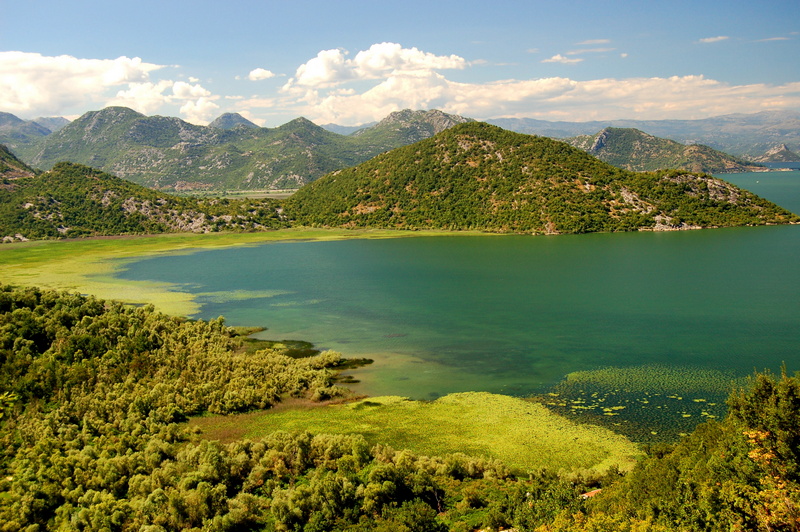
478	176
72	200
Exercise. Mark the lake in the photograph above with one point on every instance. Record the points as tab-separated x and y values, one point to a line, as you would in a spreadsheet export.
517	314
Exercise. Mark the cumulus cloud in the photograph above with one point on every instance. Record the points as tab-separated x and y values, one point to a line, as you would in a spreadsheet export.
556	98
34	83
714	39
333	67
260	73
146	97
198	111
558	58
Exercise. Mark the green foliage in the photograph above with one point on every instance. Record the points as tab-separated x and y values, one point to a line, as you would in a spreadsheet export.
168	153
74	201
522	435
477	176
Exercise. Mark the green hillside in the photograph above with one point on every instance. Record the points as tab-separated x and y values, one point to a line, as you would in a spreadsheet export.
477	176
168	153
94	396
638	151
73	201
11	167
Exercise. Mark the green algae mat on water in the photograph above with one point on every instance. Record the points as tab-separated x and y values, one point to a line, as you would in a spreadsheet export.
91	266
647	403
522	434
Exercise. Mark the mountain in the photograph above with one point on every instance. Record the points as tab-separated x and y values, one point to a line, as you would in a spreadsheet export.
53	123
230	121
478	176
11	167
406	127
744	135
779	154
15	132
638	151
73	200
168	153
346	130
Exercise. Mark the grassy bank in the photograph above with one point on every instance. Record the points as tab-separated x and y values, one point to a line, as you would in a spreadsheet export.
523	435
89	266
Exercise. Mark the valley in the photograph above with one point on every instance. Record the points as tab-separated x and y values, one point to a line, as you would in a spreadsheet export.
503	364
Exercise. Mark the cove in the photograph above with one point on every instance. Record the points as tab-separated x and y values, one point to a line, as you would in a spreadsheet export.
516	314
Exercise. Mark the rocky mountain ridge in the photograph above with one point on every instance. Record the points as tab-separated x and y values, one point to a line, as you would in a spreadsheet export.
169	153
635	150
743	135
779	154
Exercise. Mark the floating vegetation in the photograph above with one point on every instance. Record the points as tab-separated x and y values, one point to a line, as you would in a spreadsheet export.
654	378
646	403
227	296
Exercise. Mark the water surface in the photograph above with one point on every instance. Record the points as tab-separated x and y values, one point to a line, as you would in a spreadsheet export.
515	314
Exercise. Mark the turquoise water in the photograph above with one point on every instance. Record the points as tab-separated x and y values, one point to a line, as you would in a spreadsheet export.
515	314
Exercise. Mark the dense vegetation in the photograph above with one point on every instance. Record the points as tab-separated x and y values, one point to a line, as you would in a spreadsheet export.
73	201
93	393
635	150
168	153
477	176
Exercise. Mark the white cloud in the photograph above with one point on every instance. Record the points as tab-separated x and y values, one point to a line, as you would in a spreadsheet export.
35	85
199	111
591	42
260	73
184	91
31	83
332	67
714	39
590	51
146	97
328	68
391	57
558	58
548	98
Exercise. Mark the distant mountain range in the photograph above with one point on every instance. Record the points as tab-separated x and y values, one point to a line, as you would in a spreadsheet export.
744	135
233	153
779	154
481	177
636	150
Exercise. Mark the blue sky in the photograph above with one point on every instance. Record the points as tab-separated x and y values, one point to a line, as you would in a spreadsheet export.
350	62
